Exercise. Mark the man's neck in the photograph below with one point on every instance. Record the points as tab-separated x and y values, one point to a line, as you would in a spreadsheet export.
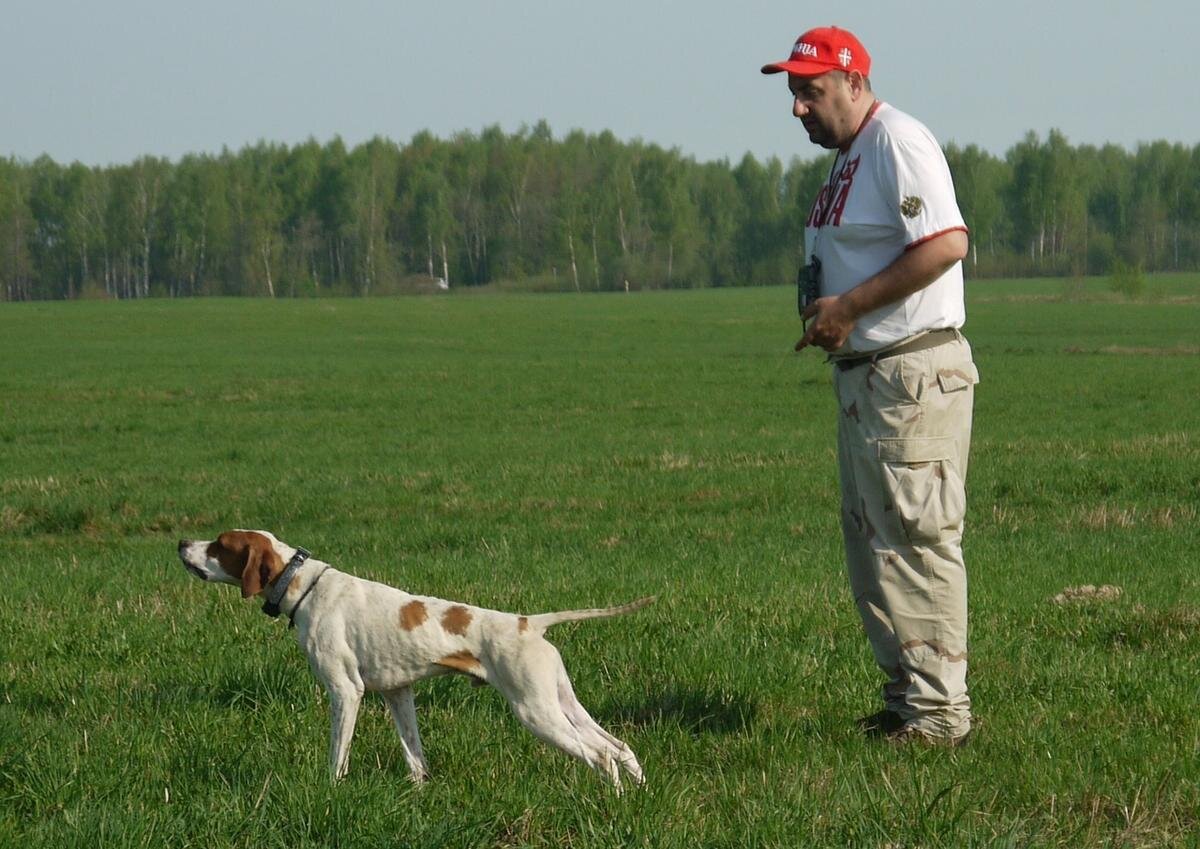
869	105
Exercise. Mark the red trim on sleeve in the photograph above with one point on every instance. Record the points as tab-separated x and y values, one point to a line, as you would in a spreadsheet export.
933	236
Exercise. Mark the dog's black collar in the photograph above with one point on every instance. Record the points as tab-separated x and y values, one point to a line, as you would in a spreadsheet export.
276	592
303	595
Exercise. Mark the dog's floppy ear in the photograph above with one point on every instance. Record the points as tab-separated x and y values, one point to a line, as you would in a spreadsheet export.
254	576
262	564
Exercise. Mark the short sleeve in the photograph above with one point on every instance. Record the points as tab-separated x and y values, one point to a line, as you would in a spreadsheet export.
916	183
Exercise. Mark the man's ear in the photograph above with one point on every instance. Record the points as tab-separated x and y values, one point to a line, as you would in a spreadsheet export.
858	84
256	575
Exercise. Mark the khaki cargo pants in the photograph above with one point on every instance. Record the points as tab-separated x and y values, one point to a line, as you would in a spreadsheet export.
904	434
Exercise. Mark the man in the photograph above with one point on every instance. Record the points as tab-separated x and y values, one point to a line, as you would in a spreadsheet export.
884	241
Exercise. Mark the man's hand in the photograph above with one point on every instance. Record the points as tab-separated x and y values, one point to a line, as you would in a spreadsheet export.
832	321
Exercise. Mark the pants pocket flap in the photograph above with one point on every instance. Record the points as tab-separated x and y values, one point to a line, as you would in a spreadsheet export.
952	380
926	449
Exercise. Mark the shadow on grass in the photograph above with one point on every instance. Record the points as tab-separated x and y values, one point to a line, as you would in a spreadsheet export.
692	710
695	711
38	704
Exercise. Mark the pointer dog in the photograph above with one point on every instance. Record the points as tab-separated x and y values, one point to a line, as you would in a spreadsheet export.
360	636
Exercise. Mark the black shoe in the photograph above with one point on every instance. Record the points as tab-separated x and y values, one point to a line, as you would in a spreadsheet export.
882	724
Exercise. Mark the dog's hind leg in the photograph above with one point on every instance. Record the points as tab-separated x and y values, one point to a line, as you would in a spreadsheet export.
549	724
404	715
536	703
617	750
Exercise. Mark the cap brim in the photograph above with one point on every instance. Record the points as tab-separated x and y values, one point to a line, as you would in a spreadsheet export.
799	69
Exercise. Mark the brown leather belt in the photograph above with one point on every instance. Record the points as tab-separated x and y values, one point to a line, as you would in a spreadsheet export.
922	343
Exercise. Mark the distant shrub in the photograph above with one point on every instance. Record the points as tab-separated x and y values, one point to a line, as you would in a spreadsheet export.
538	283
92	291
1127	279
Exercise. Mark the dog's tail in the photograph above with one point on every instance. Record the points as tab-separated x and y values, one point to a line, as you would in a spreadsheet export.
542	621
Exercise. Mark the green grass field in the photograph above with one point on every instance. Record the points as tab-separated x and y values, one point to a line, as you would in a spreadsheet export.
542	452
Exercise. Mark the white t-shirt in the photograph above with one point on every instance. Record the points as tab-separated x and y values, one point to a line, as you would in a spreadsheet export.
888	193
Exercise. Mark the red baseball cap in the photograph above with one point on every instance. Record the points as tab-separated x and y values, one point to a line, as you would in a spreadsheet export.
824	49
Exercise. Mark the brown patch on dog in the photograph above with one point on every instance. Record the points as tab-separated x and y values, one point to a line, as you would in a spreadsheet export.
462	661
522	624
248	556
229	550
456	620
413	615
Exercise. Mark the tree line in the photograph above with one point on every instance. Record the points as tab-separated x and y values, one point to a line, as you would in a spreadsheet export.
584	212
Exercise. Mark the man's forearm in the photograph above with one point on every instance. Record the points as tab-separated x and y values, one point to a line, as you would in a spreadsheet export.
910	272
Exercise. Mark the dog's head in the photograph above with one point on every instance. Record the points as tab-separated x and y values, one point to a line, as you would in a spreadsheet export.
251	559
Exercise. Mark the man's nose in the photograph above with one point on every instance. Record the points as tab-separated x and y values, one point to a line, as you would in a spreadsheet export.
798	108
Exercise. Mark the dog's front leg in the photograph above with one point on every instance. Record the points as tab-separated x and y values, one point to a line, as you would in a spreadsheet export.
344	699
404	714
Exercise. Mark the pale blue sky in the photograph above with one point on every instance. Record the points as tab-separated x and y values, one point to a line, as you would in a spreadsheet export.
107	82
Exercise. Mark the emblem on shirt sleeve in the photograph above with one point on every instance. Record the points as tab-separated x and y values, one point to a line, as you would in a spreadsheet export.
911	206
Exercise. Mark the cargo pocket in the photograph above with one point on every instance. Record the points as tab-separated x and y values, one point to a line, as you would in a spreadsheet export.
924	486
